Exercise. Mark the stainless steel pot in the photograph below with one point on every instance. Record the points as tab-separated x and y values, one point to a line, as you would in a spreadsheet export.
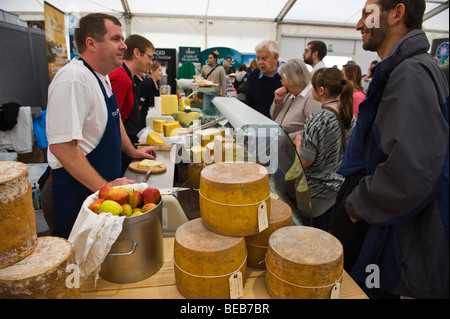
138	251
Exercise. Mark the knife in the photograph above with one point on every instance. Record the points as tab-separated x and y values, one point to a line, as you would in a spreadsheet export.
147	175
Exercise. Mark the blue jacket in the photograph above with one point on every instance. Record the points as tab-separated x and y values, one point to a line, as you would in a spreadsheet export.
399	153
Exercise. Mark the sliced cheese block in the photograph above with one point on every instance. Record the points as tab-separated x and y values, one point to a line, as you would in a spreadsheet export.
171	129
200	155
158	125
207	135
169	104
147	164
17	216
154	138
204	261
230	196
303	263
280	216
42	274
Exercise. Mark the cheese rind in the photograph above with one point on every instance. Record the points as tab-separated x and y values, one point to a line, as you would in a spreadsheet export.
230	194
42	274
17	216
303	263
280	216
204	261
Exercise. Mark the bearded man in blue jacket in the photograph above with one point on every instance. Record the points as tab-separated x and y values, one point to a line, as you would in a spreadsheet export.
392	211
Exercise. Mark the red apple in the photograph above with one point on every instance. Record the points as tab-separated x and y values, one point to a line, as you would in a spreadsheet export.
135	199
148	207
119	195
96	204
103	192
151	195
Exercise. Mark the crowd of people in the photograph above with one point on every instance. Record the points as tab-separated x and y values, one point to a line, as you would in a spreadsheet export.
376	161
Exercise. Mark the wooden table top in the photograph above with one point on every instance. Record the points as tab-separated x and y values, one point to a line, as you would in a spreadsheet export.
162	284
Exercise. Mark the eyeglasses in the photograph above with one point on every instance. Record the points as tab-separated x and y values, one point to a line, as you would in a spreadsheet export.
148	55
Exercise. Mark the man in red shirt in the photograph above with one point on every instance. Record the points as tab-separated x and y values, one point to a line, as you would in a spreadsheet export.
136	59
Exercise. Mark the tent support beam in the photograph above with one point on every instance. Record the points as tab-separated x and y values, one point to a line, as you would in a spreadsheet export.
279	19
435	11
127	15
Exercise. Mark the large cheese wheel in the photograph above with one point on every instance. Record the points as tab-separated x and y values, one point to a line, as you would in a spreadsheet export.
42	274
280	216
204	261
303	263
230	195
17	216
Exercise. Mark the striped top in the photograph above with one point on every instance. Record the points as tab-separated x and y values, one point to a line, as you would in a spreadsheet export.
321	144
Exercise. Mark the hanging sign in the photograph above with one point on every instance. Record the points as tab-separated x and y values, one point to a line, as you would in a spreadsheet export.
55	38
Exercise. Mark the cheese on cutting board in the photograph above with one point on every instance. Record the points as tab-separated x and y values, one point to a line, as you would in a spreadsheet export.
303	263
148	163
231	196
154	138
17	216
169	104
280	216
204	261
43	274
158	125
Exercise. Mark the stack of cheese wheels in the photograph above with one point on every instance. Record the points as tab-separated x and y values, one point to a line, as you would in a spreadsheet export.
231	196
303	263
42	274
280	216
204	261
17	217
30	267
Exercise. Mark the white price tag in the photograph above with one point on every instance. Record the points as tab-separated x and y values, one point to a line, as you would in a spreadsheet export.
263	221
236	285
336	291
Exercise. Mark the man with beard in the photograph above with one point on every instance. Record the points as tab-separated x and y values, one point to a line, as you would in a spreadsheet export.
314	53
392	210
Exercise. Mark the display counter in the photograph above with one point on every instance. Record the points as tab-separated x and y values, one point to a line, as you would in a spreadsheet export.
162	284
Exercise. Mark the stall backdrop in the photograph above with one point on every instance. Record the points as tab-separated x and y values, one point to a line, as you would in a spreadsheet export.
236	24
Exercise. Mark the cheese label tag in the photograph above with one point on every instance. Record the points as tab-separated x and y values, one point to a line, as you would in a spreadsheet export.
236	285
263	221
336	291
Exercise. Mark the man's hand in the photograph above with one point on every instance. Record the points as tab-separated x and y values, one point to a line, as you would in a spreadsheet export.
145	152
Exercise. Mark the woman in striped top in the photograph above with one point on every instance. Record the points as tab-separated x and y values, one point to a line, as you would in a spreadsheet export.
323	140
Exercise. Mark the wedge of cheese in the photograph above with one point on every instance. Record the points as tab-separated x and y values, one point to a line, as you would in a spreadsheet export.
158	125
303	263
171	128
147	164
154	138
204	261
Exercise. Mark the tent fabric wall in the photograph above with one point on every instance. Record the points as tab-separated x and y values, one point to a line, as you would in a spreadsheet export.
240	35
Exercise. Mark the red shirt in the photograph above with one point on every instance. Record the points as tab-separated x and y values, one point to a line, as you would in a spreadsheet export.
122	86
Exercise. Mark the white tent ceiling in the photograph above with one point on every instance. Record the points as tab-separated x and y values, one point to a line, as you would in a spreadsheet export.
318	12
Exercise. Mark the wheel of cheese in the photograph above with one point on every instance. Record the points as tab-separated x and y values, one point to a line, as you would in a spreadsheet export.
280	216
204	261
230	196
17	216
42	274
303	263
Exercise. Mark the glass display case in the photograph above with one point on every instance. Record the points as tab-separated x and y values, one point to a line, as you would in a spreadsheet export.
251	137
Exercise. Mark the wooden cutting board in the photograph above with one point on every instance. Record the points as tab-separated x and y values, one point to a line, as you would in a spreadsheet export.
157	147
134	167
